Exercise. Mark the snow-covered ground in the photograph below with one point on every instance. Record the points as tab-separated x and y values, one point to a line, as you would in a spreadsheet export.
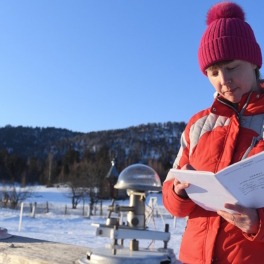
75	229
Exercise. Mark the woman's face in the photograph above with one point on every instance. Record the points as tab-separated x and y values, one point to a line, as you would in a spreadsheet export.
233	79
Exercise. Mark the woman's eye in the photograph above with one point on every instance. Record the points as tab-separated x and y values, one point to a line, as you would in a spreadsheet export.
231	68
214	73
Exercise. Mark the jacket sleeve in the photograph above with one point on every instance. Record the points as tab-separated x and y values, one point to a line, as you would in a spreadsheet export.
259	237
176	205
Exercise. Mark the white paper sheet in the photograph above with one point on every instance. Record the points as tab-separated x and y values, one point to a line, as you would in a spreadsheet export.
241	183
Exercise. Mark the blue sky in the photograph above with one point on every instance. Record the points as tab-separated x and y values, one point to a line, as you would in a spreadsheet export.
90	65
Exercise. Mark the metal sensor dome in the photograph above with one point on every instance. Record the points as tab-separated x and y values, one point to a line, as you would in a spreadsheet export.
139	177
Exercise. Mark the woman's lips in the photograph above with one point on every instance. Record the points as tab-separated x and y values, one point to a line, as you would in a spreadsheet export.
230	91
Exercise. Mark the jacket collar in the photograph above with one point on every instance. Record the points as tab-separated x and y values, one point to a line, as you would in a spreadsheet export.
251	103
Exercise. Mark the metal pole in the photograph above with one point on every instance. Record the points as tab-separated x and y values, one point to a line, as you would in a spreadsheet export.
166	230
88	211
174	221
34	210
101	208
121	218
20	220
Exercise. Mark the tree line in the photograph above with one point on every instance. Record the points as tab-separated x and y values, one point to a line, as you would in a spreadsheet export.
71	167
14	168
83	175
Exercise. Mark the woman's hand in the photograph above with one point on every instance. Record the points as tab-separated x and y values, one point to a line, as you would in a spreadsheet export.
246	219
179	188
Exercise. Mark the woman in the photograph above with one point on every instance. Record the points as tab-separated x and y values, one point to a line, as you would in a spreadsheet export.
227	132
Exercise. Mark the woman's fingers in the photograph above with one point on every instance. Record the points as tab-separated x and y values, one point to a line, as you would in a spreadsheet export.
179	188
247	219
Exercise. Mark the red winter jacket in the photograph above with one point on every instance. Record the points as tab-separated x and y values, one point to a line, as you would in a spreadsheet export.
213	139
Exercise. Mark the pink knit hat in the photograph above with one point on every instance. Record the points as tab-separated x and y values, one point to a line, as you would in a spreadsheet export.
227	37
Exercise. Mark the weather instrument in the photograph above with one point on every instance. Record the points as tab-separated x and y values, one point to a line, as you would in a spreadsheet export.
139	180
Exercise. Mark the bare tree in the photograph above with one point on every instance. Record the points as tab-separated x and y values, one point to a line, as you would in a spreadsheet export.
76	193
76	186
84	182
85	177
92	182
14	195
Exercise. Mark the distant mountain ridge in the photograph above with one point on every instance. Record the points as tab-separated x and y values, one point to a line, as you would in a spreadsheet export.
143	142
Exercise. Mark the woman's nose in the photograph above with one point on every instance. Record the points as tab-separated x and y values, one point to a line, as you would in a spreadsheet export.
224	78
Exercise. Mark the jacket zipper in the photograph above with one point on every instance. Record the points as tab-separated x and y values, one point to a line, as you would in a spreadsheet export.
253	143
239	115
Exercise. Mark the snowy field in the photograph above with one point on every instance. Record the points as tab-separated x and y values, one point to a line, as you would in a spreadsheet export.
77	230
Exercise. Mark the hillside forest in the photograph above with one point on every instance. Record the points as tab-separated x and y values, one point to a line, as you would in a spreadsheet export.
51	155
